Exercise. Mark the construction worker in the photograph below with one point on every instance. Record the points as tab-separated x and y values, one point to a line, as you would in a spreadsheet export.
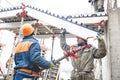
28	60
98	5
84	64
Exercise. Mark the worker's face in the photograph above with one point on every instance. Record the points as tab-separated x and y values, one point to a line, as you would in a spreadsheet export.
79	40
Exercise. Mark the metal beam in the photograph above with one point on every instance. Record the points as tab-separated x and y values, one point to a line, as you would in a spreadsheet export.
11	13
59	23
14	24
48	29
90	20
57	35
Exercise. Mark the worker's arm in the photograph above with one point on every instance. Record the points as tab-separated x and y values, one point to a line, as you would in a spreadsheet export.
101	51
36	58
63	43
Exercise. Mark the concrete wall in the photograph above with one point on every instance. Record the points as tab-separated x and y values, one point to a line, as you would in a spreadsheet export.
113	39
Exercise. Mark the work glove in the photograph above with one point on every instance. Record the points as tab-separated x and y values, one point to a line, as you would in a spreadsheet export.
63	31
100	37
100	34
52	65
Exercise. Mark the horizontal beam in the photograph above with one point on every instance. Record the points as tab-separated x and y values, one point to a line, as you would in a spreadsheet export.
50	35
60	23
7	14
90	20
14	24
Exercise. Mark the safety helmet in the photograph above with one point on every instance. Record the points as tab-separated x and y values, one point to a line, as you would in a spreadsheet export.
27	29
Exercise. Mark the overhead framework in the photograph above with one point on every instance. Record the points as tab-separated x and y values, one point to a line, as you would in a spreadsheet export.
75	25
88	18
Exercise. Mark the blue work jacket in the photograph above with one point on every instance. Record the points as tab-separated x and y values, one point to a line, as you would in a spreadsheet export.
28	55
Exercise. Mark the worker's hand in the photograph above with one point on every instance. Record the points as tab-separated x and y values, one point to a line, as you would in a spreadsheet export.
100	35
52	65
101	31
63	31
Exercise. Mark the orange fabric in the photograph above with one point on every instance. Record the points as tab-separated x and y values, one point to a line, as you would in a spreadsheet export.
22	47
72	52
30	71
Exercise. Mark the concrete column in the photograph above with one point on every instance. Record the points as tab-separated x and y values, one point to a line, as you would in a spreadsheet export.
113	40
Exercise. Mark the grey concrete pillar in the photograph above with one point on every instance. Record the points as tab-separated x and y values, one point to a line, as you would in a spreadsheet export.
113	40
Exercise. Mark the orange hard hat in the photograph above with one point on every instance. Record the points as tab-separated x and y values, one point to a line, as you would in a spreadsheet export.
27	29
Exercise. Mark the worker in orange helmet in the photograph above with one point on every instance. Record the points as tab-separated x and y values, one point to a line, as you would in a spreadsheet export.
28	60
83	65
